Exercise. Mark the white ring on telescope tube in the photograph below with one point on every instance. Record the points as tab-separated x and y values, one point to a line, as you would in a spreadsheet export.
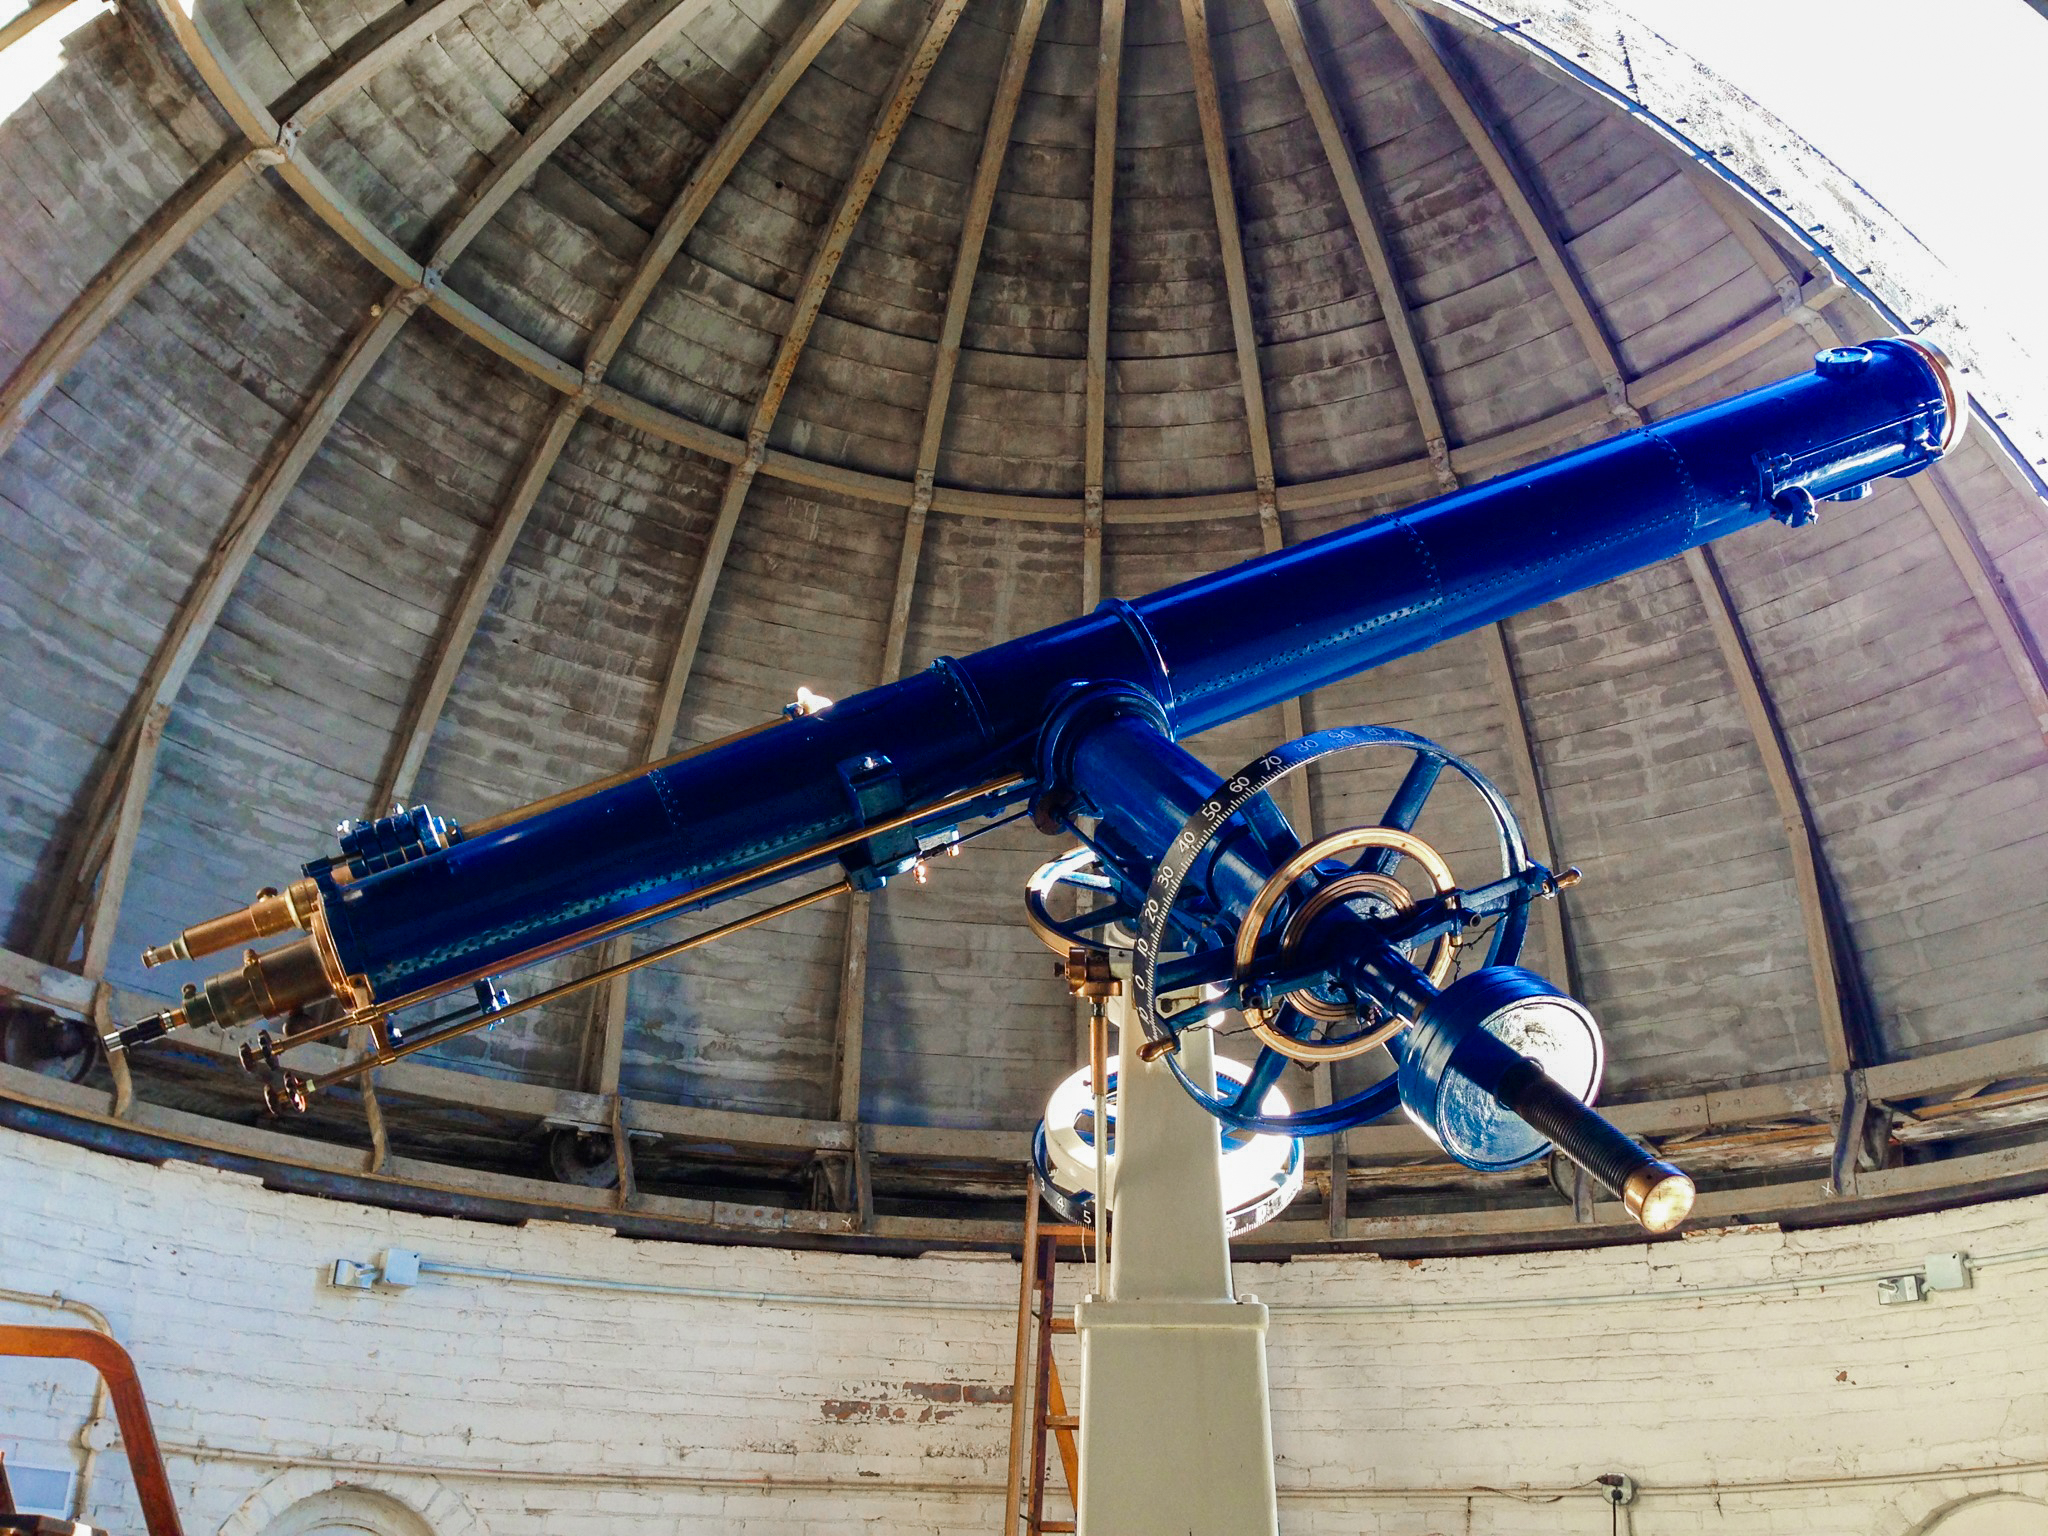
1261	1173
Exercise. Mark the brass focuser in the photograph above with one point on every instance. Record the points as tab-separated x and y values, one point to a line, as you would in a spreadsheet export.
267	985
272	912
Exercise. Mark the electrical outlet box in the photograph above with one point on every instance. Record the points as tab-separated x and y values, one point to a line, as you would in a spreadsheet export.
1618	1487
1897	1290
1948	1271
398	1268
348	1275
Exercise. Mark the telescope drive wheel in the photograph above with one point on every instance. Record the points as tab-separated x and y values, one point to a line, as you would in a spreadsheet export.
1356	866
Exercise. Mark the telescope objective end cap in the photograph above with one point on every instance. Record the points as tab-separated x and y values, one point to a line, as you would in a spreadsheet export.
1955	397
1658	1196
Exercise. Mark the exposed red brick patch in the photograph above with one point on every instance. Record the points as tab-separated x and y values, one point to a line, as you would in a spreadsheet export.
898	1402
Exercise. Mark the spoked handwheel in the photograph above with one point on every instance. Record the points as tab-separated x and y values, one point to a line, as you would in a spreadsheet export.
1362	868
1098	924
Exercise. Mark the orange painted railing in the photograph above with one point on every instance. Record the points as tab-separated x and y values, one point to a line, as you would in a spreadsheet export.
138	1438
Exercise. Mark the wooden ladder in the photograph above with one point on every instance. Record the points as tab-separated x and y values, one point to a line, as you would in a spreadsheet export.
1038	1403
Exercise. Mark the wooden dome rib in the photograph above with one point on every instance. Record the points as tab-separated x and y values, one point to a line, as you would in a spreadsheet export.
1194	16
131	765
740	131
1109	58
371	51
1286	19
609	1011
365	56
19	27
850	1009
1445	79
898	100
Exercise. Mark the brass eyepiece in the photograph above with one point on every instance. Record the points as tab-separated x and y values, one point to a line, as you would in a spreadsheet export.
143	1031
266	986
272	912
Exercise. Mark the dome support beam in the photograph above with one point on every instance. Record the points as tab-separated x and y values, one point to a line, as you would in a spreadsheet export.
1536	827
360	60
897	103
129	767
609	1007
850	1014
734	139
1109	66
2016	641
1444	78
154	1131
162	236
981	199
1194	16
452	647
208	190
430	695
610	70
1251	382
1286	17
355	228
19	27
1827	950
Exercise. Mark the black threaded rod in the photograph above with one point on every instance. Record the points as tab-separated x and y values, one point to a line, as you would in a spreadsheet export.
1655	1193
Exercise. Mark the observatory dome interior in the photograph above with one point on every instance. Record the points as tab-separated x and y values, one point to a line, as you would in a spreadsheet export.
456	402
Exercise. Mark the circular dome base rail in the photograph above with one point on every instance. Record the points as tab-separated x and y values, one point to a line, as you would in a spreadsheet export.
140	1128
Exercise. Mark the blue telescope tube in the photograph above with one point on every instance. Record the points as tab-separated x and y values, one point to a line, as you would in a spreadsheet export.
1189	657
1205	651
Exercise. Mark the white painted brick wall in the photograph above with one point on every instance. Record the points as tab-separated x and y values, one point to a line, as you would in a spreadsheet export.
527	1410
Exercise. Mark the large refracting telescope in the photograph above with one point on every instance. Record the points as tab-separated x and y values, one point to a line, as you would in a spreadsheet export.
1327	947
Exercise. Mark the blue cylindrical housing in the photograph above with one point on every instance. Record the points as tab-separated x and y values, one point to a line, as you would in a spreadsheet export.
1203	652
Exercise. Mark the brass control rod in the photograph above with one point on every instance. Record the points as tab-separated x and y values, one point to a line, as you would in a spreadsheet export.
298	1089
697	897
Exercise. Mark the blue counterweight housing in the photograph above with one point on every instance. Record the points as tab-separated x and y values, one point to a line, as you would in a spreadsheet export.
1454	1058
1049	719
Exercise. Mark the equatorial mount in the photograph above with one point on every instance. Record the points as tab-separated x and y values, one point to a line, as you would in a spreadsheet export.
1350	942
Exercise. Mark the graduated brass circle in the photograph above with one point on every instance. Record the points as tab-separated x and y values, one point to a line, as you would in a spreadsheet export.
1396	896
1350	840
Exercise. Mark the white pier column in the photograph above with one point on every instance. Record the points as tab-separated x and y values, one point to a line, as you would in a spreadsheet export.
1176	1427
